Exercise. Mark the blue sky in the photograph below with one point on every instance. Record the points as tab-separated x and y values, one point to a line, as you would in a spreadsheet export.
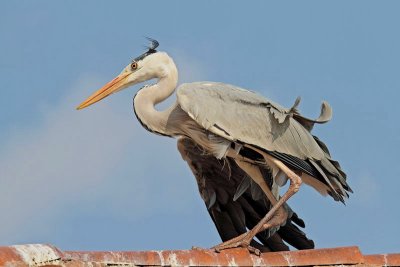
95	180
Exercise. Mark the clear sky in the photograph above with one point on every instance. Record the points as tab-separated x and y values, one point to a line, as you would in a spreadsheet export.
95	180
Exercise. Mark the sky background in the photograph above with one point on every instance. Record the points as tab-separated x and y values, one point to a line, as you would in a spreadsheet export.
95	180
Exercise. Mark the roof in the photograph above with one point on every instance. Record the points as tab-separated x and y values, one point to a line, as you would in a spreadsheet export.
47	255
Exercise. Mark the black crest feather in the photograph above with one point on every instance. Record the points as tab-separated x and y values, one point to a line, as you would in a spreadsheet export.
151	49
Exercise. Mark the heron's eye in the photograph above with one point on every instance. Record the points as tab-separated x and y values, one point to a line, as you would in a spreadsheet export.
134	65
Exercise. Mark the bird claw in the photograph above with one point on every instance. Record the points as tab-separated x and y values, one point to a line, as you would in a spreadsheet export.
199	248
241	241
251	249
254	250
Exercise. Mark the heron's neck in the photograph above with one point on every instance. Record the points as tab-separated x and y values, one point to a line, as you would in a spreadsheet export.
149	96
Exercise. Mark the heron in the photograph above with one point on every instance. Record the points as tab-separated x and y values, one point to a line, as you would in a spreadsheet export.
241	147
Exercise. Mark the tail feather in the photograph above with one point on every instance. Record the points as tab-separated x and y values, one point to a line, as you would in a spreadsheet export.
332	169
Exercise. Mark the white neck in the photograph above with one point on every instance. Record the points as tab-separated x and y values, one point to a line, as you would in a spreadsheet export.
149	96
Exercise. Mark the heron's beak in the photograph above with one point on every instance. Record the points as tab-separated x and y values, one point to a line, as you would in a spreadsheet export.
111	87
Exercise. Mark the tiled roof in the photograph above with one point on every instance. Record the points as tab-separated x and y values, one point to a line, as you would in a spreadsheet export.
46	255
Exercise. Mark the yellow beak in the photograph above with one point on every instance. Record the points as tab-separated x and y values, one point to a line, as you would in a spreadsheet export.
111	87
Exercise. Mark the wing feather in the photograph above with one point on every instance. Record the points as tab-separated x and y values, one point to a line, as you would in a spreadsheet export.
243	116
247	117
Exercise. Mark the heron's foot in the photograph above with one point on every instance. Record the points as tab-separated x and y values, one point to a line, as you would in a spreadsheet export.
276	219
241	241
199	248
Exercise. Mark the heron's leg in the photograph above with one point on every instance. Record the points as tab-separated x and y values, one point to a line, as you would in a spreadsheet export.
254	172
277	219
268	221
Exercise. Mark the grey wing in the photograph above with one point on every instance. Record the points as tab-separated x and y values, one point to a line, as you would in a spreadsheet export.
239	114
233	213
243	116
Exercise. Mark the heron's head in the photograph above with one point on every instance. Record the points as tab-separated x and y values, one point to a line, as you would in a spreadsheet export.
150	65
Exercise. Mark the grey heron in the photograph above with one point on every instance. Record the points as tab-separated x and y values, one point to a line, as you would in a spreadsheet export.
241	148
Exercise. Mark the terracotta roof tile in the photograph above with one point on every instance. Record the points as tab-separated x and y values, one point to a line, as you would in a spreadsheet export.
47	255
